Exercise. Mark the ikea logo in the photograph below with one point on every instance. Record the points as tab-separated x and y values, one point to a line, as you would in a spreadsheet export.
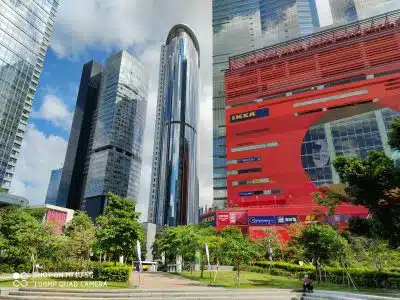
259	113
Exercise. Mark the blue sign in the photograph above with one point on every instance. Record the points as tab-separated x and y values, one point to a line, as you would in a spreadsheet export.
262	220
249	115
248	159
244	194
286	219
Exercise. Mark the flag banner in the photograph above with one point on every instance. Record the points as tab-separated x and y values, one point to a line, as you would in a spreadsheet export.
208	257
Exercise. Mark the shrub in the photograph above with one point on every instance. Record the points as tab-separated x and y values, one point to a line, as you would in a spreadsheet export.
361	277
108	272
291	268
4	268
70	265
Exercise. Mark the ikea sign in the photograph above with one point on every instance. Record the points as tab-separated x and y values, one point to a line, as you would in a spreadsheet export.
254	114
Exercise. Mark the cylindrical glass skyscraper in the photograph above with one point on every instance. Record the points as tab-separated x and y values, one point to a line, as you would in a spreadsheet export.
174	193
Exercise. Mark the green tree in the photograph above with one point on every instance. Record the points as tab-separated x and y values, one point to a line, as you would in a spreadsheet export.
329	200
360	226
374	183
23	236
322	244
269	244
166	243
237	248
2	190
394	135
119	227
185	241
37	213
206	235
370	252
81	232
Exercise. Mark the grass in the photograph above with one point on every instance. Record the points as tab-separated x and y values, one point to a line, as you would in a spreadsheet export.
68	283
257	280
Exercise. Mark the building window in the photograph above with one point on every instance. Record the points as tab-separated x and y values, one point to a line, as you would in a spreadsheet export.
252	181
330	98
243	160
249	132
244	171
260	192
254	147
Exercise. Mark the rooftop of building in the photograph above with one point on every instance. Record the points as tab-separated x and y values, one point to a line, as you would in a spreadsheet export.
318	40
53	207
183	27
8	199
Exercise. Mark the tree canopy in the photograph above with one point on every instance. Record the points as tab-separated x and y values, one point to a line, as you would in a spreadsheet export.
119	227
375	183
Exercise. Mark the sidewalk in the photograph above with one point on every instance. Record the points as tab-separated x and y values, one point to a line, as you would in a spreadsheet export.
162	280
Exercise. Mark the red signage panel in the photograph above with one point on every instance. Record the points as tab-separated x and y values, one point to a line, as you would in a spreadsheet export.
226	218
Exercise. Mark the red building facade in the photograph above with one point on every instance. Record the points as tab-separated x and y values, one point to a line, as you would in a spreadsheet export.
292	108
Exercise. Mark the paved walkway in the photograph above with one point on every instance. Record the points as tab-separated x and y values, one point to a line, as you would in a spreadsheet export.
162	280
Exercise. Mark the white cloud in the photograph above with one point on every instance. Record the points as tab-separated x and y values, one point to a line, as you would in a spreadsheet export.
55	111
39	155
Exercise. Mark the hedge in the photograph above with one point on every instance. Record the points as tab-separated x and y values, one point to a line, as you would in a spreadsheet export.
70	265
361	277
108	272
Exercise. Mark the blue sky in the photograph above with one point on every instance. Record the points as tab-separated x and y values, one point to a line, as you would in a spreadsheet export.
60	78
92	30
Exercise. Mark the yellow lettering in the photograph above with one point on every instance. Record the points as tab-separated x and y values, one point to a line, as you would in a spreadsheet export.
252	114
245	115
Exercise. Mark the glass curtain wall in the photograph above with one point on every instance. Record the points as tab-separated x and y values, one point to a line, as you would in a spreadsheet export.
25	31
177	181
241	26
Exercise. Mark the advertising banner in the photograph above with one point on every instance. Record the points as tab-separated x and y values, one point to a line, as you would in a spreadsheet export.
336	219
273	220
209	219
262	220
244	194
232	218
249	115
248	159
208	257
287	219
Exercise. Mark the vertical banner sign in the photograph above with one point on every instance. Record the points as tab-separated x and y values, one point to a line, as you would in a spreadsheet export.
208	257
139	253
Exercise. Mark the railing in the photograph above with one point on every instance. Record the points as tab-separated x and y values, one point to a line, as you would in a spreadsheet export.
316	40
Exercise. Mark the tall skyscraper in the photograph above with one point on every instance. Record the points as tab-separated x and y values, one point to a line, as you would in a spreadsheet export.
344	11
54	184
80	142
25	30
105	147
241	26
174	198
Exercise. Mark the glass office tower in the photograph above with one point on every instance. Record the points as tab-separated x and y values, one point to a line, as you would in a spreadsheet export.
116	155
54	184
80	142
344	11
241	26
25	31
174	198
104	151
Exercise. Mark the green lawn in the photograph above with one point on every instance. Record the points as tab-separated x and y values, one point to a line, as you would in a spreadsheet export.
68	283
257	280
